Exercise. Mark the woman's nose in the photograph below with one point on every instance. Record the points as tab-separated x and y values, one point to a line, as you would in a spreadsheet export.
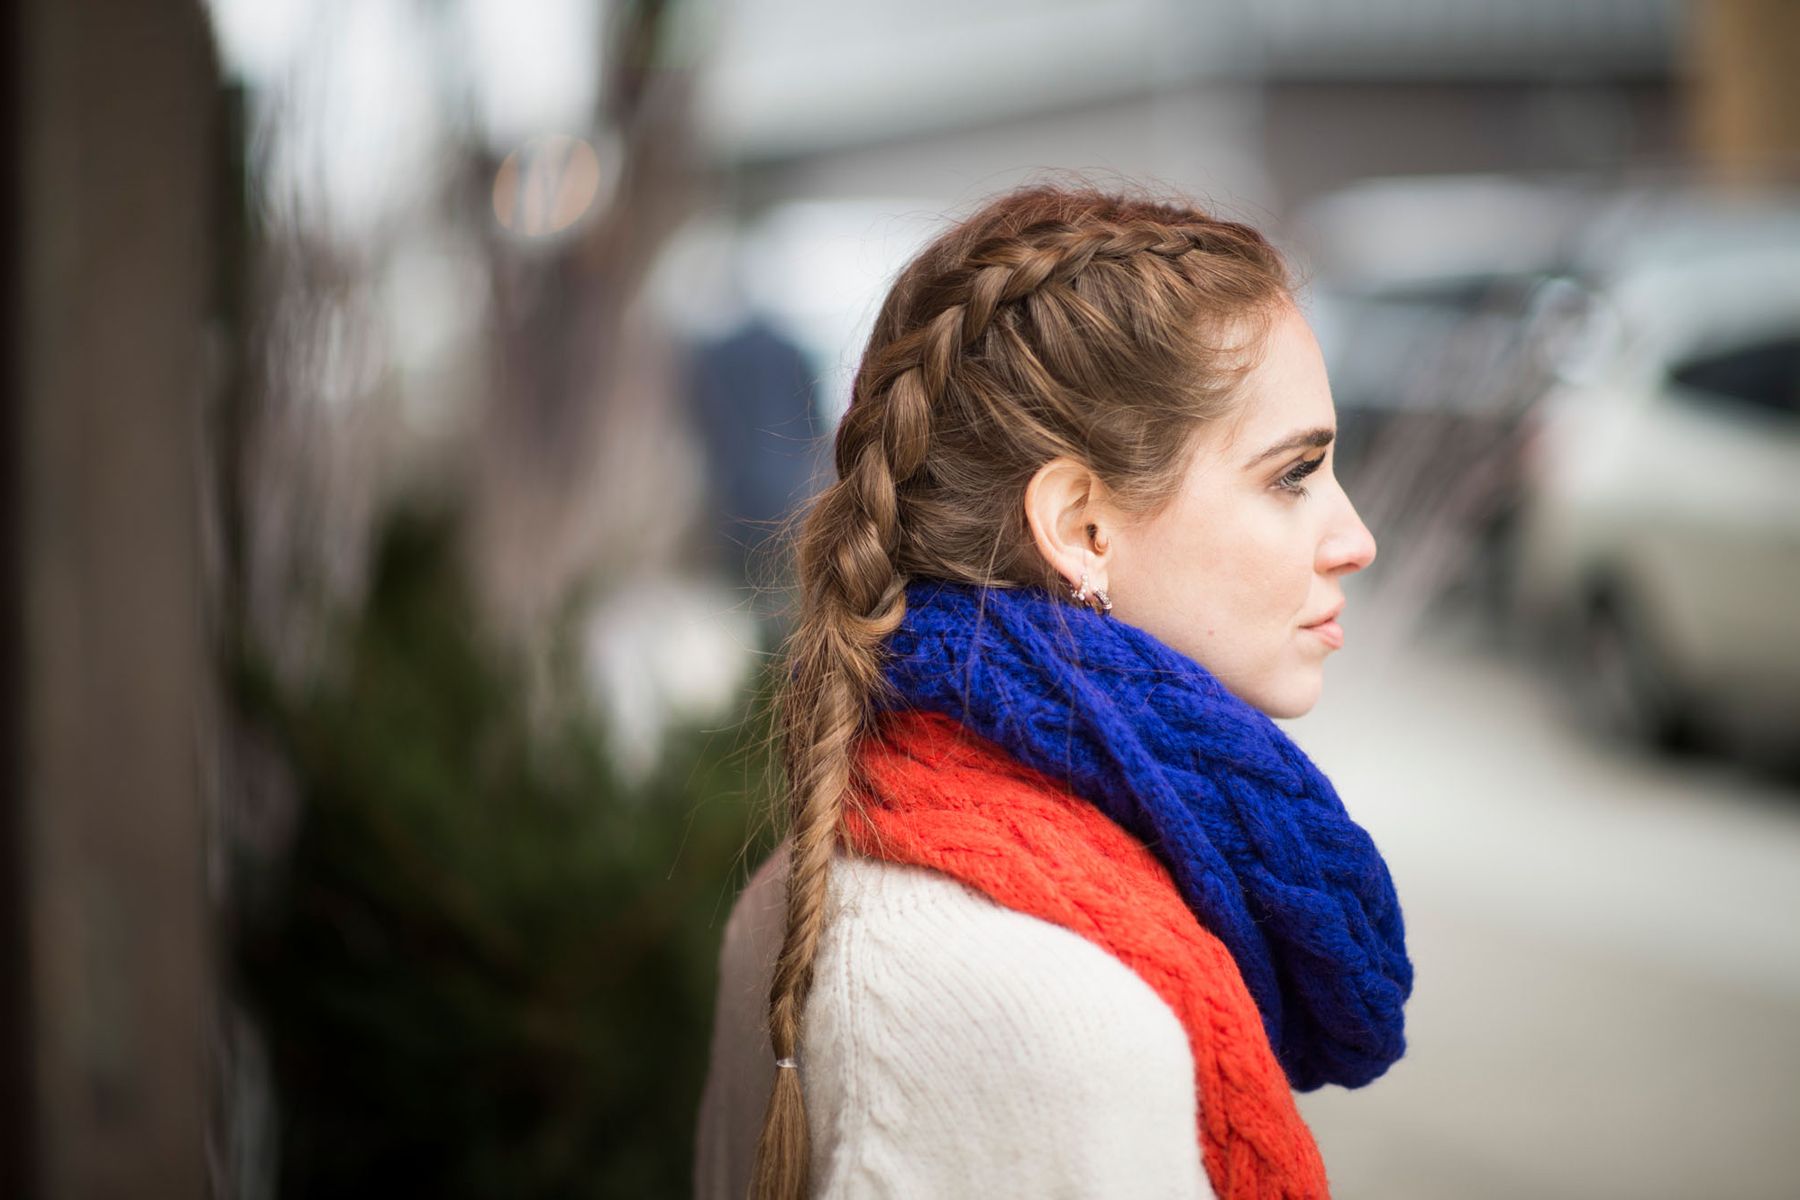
1349	546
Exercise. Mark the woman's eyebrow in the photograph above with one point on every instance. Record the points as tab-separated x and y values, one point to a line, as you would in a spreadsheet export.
1308	437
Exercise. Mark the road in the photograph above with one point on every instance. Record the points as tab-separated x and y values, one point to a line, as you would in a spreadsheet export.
1606	945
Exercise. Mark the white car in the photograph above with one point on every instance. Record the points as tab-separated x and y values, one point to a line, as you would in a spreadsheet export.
1659	533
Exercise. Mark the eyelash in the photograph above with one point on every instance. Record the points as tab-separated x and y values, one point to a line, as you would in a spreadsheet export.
1290	482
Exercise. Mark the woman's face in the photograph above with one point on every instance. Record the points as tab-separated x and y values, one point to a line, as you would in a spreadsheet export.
1255	546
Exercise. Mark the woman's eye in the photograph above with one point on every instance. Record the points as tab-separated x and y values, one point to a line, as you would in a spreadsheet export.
1300	470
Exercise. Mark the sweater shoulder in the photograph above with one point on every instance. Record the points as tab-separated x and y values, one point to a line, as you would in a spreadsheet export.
950	1047
946	958
950	1035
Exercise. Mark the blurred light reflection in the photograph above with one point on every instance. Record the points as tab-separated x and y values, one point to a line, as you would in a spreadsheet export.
546	186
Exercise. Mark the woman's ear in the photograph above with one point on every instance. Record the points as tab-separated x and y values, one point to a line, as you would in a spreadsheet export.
1070	519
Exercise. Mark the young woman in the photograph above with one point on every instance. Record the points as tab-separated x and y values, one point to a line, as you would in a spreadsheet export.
1060	910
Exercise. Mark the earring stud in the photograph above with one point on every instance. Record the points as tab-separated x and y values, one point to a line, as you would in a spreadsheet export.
1080	595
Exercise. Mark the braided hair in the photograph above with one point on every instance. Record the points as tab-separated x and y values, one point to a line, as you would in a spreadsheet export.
1052	321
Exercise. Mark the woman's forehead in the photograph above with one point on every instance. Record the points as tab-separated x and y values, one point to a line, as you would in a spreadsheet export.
1285	393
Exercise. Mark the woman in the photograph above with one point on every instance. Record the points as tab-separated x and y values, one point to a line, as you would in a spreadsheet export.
1061	912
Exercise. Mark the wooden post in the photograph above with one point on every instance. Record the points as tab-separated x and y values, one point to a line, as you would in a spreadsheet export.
110	119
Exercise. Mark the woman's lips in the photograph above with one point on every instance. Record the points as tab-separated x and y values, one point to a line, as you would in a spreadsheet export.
1330	632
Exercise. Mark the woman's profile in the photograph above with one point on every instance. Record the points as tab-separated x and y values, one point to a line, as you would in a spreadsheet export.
1059	909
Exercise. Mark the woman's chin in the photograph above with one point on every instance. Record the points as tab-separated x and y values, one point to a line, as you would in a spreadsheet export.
1293	696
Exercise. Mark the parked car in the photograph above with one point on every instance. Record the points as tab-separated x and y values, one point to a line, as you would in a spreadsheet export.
1658	540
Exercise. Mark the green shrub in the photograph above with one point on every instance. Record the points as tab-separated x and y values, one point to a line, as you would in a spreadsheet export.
486	968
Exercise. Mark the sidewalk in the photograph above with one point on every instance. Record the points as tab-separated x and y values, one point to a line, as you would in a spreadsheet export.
1607	1000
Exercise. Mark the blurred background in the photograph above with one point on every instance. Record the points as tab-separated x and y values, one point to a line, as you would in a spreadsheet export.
402	398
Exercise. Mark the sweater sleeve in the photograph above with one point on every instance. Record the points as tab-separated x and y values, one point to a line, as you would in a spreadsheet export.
740	1069
958	1048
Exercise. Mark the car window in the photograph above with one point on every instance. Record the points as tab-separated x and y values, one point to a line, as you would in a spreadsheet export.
1764	374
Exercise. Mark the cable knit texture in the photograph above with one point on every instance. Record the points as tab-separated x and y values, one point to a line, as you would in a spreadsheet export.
941	797
953	1048
1253	834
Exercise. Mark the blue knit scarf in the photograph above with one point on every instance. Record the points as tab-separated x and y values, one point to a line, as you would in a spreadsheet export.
1254	835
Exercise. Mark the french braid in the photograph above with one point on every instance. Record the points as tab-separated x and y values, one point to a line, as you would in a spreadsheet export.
1053	321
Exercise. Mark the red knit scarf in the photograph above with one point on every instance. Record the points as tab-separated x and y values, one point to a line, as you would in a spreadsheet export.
939	796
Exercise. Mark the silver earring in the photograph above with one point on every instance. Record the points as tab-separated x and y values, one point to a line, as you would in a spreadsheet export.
1080	596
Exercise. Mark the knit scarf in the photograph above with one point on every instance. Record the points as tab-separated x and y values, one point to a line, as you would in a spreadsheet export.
1255	839
1252	832
937	796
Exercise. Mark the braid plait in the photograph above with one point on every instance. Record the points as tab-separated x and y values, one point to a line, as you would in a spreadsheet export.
1009	268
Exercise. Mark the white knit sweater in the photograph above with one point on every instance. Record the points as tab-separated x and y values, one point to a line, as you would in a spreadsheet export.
952	1047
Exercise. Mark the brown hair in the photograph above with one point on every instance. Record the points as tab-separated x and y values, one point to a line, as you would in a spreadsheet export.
1053	321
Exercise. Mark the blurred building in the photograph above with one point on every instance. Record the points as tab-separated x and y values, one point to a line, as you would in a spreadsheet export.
1258	106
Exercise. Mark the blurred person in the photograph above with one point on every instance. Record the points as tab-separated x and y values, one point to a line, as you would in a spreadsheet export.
1060	909
753	402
